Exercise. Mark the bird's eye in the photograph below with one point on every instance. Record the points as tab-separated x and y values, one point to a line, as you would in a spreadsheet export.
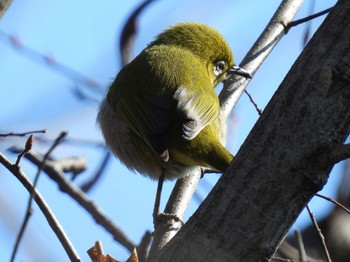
219	68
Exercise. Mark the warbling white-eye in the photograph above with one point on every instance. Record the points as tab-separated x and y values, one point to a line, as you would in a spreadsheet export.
160	116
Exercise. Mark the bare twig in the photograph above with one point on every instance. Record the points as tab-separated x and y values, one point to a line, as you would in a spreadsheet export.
287	251
74	165
282	259
307	30
271	35
23	134
142	248
308	18
89	184
314	222
334	202
28	146
55	172
75	142
177	204
82	96
50	62
30	200
253	102
128	34
302	253
50	217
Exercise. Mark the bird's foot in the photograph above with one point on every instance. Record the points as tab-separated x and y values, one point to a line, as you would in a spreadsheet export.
165	217
205	170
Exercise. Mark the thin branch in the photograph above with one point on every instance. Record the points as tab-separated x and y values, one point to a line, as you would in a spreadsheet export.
127	36
307	30
314	222
89	184
50	217
50	62
253	102
142	248
282	259
334	202
271	35
197	198
302	253
32	195
43	131
55	172
74	165
28	146
177	204
75	142
308	18
287	251
79	93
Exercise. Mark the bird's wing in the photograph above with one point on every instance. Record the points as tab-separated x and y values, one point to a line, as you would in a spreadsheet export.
197	108
147	116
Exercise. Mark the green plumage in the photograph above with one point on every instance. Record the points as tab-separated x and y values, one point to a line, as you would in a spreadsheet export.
164	102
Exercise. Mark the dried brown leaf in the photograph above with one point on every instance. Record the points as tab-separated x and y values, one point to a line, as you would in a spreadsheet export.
133	257
96	254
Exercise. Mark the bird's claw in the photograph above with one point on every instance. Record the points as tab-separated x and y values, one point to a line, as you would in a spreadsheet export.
164	217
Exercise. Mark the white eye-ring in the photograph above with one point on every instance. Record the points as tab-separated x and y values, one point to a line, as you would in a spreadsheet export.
219	68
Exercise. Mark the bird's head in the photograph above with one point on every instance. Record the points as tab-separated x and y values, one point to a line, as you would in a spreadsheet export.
203	41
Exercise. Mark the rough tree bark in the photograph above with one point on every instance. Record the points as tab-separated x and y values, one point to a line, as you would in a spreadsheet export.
285	160
185	187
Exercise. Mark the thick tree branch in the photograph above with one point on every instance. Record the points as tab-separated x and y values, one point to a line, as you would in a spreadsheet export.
177	204
185	187
277	171
263	46
339	153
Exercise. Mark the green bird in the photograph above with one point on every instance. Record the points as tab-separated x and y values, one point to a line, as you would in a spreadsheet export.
160	116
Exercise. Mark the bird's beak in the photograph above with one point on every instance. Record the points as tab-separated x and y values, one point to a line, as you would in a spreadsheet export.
236	70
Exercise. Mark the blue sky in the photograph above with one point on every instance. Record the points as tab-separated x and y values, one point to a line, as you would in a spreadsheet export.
84	36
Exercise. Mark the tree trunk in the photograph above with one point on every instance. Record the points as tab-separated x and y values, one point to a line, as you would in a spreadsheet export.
285	160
